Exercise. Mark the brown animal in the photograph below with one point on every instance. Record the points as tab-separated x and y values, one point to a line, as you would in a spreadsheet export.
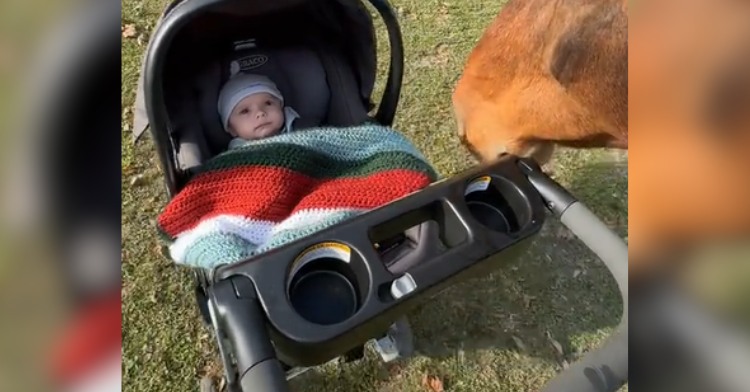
547	72
689	166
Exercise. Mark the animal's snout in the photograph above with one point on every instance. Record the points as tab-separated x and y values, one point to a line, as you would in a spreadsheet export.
458	118
460	122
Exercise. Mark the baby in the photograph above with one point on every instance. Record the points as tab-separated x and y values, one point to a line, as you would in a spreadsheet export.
252	107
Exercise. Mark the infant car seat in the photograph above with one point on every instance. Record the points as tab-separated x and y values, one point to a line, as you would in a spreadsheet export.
304	49
321	54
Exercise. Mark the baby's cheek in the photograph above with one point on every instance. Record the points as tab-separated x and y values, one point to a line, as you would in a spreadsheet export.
244	128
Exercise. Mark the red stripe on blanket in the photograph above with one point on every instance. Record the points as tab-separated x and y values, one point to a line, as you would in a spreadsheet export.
364	192
273	194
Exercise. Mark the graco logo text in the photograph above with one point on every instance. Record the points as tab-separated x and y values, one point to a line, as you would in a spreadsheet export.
252	62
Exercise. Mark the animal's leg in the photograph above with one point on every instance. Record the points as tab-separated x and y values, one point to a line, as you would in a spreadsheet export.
541	150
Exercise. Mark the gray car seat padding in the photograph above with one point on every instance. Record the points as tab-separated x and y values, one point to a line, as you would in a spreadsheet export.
317	84
344	26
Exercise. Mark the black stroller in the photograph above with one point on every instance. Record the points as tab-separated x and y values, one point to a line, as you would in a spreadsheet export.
456	229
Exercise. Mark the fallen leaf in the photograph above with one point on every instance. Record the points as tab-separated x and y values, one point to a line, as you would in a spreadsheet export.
394	370
443	11
207	384
433	383
612	223
520	344
527	300
564	233
129	169
576	273
555	344
128	31
137	180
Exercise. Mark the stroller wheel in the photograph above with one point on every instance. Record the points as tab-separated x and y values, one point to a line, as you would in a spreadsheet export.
397	343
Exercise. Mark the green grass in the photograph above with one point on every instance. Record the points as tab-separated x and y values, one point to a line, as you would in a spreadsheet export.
490	334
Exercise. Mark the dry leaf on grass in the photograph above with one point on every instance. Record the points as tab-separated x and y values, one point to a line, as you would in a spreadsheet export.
558	347
433	383
527	300
564	233
137	180
394	370
128	31
129	170
520	344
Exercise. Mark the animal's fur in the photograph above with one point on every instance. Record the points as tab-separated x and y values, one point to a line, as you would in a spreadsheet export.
544	73
689	168
561	72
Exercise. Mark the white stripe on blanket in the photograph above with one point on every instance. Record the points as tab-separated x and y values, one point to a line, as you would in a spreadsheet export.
256	232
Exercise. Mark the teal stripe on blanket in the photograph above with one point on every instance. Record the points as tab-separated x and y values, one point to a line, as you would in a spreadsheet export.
354	143
215	248
283	237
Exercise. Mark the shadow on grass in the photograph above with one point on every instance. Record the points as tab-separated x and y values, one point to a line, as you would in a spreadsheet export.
552	305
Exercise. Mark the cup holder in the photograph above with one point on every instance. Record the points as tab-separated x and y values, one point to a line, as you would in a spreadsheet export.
497	204
324	287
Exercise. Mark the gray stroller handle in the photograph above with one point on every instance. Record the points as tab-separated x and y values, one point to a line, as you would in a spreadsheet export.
605	369
255	354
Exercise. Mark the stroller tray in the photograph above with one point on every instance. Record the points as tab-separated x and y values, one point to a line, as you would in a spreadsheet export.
330	292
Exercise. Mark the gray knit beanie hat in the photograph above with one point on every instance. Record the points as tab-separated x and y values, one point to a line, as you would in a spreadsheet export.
241	86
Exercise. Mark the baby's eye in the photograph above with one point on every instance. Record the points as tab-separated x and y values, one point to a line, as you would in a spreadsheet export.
244	111
269	103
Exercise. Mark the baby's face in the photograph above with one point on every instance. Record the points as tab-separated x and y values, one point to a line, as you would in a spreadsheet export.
256	117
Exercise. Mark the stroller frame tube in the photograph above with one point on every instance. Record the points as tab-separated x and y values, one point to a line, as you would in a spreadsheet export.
605	369
260	370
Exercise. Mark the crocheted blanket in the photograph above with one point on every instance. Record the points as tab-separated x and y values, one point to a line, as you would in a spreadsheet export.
269	192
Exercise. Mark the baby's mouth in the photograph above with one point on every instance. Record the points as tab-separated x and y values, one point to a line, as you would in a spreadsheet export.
263	125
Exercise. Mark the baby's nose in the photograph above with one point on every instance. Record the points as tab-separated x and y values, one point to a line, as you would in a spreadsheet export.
260	114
